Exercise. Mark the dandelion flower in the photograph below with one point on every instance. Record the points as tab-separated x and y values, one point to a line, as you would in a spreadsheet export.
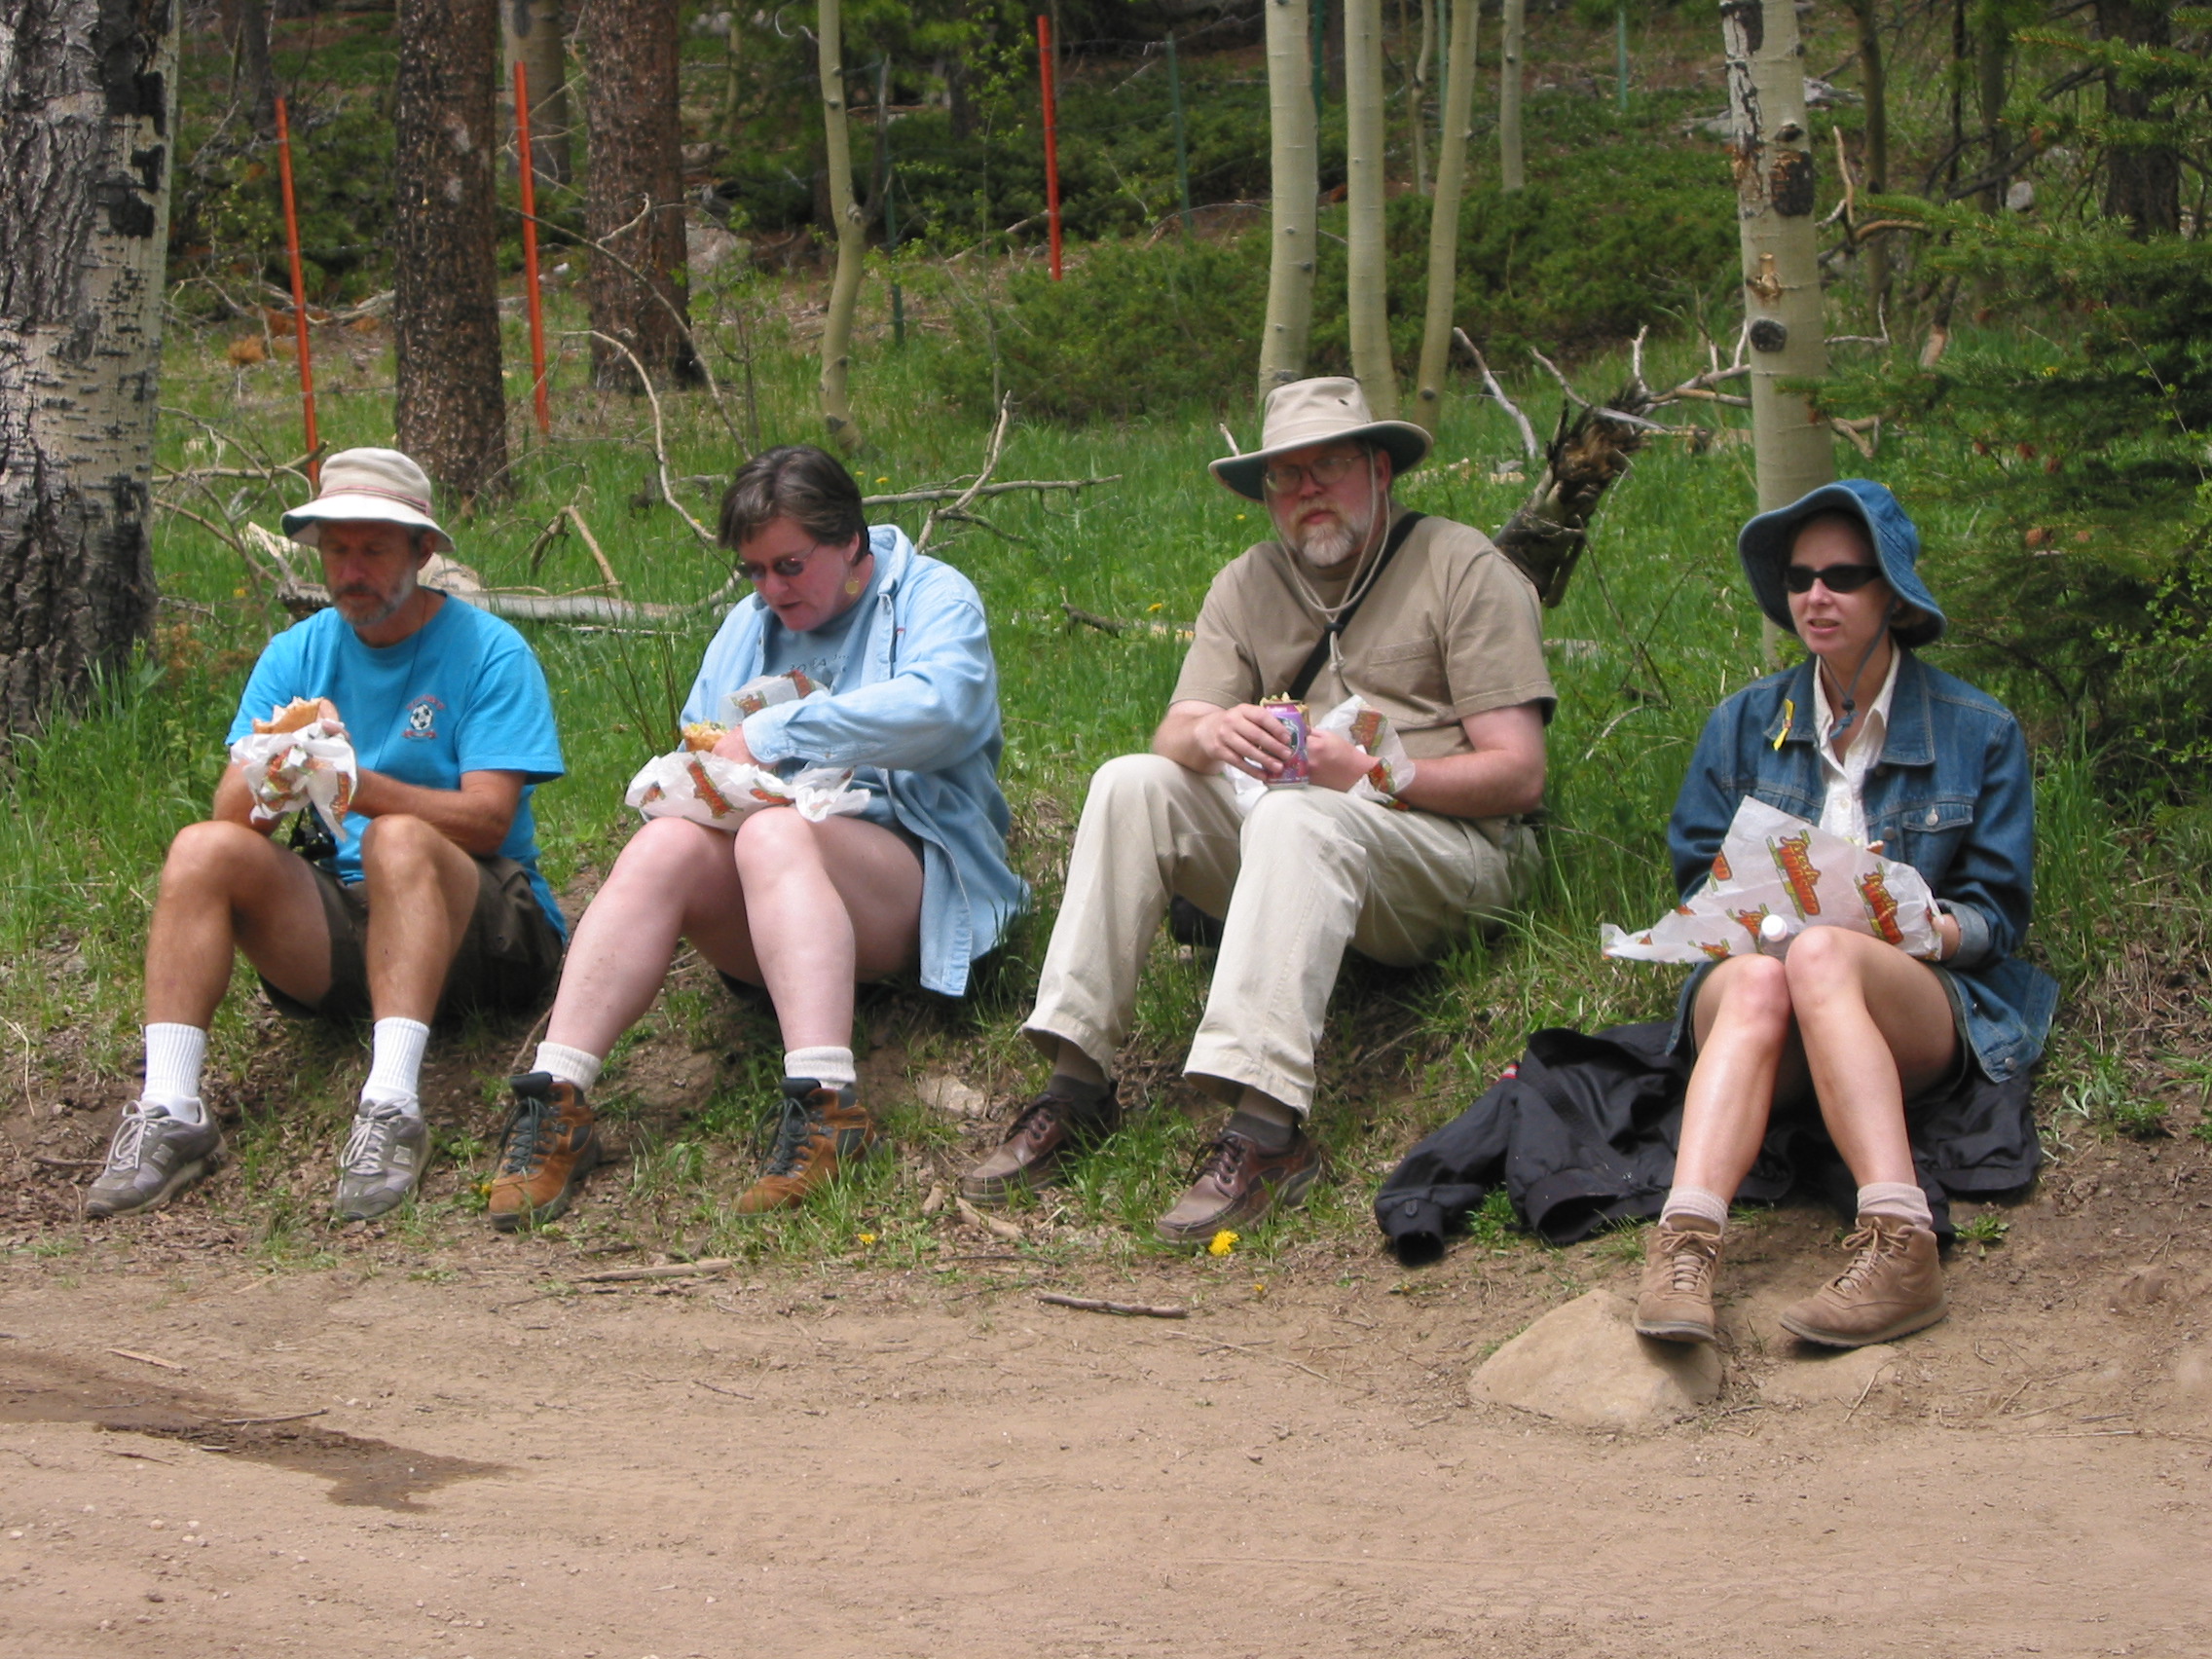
1239	518
1155	609
867	1238
883	480
1222	1243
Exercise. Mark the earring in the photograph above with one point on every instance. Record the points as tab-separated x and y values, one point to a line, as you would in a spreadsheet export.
851	587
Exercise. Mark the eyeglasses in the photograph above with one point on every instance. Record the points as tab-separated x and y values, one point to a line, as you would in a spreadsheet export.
1836	578
1283	477
789	568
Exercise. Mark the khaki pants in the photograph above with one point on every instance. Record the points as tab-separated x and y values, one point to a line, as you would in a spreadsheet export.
1309	872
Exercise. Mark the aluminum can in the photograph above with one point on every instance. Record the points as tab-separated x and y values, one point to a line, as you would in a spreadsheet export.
1296	771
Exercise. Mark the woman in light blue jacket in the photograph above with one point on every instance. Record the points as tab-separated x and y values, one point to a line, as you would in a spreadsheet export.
917	881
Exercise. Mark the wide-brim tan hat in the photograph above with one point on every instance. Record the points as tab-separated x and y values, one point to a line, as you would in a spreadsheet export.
1322	411
378	484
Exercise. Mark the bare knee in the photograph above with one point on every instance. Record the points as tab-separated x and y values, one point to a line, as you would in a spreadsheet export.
772	841
1751	993
215	857
396	841
1825	963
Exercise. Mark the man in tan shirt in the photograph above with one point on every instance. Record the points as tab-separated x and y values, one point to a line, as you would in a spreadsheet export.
1429	624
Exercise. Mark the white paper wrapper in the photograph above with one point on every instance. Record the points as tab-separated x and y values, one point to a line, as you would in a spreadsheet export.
766	692
310	766
1777	869
707	790
1365	729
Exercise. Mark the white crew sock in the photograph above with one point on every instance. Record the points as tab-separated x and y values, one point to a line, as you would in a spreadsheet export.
174	1056
578	1066
1699	1201
395	1065
1900	1200
832	1068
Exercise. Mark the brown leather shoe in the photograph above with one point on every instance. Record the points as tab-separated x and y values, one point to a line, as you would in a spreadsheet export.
822	1132
1893	1287
1049	1128
551	1142
1239	1182
1676	1305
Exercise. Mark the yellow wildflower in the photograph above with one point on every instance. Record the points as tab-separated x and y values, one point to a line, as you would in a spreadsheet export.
1222	1243
867	1238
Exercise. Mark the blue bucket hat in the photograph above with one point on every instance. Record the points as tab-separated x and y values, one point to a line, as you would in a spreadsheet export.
1765	548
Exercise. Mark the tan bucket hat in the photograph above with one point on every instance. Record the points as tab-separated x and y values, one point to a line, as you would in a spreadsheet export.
1320	410
380	483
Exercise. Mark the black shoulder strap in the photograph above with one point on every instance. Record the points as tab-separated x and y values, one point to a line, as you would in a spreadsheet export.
1302	682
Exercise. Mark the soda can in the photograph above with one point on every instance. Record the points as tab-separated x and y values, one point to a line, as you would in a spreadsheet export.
1296	771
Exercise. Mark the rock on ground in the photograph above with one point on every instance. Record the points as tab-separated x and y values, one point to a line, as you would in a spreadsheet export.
1584	1364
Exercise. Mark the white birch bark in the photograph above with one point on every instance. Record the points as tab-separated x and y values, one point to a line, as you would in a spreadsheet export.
531	33
1294	194
1511	175
86	159
1416	95
1444	214
1367	279
845	286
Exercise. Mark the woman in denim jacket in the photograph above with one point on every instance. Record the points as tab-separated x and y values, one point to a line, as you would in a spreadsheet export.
918	880
1869	742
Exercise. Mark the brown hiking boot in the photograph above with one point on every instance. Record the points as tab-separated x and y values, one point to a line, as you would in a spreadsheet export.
1676	1303
1049	1128
1237	1182
1893	1287
823	1130
550	1144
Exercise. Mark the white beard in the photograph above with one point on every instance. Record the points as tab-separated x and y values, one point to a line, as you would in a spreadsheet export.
1331	542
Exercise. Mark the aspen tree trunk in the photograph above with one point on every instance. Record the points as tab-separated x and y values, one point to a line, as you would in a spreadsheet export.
1367	277
451	408
1444	214
1294	194
852	247
1416	91
1773	164
1511	175
531	33
88	146
634	195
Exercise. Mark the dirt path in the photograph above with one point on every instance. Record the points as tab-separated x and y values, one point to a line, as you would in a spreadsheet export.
890	1467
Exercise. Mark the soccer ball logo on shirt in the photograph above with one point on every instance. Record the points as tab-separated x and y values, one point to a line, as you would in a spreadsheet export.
422	719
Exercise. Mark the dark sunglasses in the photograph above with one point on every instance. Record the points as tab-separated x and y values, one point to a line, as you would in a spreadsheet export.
1836	578
789	569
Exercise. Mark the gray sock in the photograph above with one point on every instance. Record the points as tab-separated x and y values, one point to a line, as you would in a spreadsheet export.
1270	1130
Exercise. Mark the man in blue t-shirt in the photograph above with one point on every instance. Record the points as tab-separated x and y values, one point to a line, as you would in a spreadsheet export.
429	903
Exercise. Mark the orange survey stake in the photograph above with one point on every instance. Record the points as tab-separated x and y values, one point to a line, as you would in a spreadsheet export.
1793	855
1881	908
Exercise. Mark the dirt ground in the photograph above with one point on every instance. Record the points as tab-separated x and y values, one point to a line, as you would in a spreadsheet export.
890	1464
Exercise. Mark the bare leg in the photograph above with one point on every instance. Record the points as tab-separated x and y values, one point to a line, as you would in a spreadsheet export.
1745	1051
421	890
1876	1028
226	889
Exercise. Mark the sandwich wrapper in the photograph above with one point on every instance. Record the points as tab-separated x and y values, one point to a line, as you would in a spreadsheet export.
299	758
1366	729
705	789
1776	867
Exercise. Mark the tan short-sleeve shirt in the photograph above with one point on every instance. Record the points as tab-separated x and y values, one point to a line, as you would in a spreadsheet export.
1449	629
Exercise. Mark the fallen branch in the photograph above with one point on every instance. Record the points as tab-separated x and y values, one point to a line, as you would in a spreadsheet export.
1529	445
154	1359
1091	619
990	1223
955	492
717	1389
1097	1305
592	541
990	465
261	1423
669	1270
660	439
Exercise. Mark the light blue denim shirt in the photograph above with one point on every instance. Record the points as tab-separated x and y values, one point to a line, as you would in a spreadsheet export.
918	698
1951	795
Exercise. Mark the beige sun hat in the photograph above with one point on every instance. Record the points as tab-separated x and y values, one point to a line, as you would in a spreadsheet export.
380	483
1321	411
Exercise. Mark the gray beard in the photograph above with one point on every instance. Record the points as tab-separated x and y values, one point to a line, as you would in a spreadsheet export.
1326	546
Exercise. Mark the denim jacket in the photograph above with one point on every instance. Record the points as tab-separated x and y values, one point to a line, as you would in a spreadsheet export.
1951	795
919	699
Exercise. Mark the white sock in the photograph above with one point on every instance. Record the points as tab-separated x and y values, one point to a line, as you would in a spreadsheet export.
1899	1201
570	1065
832	1068
395	1065
1699	1201
174	1056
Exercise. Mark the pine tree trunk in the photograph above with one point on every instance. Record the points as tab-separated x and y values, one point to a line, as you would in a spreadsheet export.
1781	277
246	34
1444	215
530	31
450	410
634	194
1294	193
1874	87
90	90
2142	181
1367	274
852	243
1993	53
1511	174
1416	91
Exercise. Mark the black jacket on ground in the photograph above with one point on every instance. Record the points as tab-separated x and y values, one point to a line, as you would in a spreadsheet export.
1582	1133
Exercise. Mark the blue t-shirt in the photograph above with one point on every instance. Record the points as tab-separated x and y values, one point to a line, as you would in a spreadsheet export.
463	694
820	655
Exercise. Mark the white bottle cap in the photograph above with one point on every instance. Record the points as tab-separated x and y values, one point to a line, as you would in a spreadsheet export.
1773	929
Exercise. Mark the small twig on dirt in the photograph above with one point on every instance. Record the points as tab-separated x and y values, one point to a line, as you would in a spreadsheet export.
1097	1305
1868	1389
1496	393
660	437
716	1388
990	465
148	1359
66	1162
1242	1347
1091	619
990	1223
260	1423
672	1270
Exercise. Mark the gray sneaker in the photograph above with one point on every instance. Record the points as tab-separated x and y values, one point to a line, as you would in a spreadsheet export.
383	1160
153	1157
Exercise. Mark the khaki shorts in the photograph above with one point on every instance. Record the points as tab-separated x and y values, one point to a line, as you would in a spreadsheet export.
509	959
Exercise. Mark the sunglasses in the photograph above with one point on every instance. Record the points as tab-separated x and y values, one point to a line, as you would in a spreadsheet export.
1836	578
1285	477
789	569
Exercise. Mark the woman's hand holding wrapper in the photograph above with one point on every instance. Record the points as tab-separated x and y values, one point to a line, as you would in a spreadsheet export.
713	779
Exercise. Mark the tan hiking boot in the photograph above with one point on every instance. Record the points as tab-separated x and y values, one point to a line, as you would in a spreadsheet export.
551	1143
1239	1182
1893	1287
823	1132
1676	1303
